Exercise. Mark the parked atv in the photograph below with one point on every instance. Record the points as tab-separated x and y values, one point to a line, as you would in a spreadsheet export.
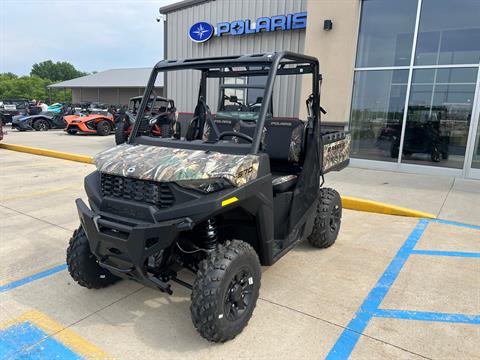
160	111
97	119
217	203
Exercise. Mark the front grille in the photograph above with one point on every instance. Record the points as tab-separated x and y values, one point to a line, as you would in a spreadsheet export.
158	194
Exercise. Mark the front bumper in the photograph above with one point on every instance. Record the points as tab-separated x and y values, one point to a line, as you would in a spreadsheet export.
21	125
124	248
80	127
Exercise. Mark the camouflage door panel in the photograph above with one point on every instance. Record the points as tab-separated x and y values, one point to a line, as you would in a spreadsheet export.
163	164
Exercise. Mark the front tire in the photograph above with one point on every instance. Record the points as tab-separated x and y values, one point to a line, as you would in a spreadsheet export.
71	132
327	219
41	125
120	133
83	266
103	128
225	291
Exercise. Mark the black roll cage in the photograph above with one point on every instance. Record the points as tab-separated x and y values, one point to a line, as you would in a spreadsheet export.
265	64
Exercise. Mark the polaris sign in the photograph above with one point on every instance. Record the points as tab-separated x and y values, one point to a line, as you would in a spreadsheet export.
202	31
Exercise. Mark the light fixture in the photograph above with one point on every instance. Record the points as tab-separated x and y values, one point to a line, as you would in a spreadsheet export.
327	25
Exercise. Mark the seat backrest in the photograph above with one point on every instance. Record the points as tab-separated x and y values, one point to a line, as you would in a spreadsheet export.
223	124
284	139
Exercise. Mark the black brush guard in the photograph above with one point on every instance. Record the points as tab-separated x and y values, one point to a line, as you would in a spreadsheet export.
124	248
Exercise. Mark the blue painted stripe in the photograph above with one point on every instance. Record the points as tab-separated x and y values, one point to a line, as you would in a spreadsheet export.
27	341
455	223
14	284
446	253
427	316
349	337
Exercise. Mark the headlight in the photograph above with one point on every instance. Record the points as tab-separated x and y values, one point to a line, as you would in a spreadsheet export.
206	186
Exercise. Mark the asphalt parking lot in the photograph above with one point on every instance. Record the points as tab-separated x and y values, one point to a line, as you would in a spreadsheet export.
391	287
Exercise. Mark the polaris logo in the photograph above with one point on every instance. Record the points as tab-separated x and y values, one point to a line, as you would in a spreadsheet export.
202	31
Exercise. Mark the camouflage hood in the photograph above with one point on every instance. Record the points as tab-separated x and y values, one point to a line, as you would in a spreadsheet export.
168	164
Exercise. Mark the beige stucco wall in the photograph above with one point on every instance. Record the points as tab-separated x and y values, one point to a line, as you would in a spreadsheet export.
336	51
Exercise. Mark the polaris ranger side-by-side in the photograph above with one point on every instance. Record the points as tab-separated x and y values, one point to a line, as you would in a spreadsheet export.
237	190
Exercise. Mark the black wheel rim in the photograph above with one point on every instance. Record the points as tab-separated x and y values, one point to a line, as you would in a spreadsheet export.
335	218
106	128
238	297
42	126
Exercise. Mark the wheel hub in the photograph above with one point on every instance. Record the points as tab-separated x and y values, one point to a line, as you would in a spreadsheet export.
334	218
238	296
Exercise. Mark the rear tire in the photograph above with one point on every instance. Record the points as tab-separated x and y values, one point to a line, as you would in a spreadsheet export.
83	266
327	219
41	125
225	291
71	132
103	128
436	154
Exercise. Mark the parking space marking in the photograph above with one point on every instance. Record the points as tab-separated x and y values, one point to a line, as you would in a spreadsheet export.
35	335
28	279
427	316
349	337
32	343
446	253
369	309
455	223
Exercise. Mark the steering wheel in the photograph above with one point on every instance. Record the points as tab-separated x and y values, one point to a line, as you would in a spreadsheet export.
237	134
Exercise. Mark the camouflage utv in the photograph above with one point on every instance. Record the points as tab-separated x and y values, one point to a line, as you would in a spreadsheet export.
237	190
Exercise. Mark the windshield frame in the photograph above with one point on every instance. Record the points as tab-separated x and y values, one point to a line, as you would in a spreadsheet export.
267	64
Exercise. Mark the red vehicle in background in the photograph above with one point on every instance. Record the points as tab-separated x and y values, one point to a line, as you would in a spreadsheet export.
160	119
96	119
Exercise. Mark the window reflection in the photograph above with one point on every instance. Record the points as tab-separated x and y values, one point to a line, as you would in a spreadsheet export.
386	33
438	118
449	32
476	150
377	113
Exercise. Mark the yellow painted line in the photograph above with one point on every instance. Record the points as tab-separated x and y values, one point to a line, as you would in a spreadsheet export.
39	193
347	201
49	153
66	336
229	201
353	203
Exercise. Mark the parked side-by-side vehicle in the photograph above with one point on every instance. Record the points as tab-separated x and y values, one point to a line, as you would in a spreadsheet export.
239	190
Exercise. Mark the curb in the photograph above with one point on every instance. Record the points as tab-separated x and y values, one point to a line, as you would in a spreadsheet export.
348	202
49	153
353	203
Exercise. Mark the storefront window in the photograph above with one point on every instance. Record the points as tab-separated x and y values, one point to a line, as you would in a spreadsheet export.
449	32
386	33
377	113
438	118
476	150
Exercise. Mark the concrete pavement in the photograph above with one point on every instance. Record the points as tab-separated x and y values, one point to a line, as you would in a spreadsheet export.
307	299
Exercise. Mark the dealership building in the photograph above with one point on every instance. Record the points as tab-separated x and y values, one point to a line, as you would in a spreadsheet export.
114	86
402	76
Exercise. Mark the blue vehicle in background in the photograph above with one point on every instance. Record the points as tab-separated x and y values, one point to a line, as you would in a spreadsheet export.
43	121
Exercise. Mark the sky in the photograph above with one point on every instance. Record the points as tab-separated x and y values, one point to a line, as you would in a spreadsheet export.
91	35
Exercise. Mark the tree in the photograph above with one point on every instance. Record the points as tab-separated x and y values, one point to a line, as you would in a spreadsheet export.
29	87
59	71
